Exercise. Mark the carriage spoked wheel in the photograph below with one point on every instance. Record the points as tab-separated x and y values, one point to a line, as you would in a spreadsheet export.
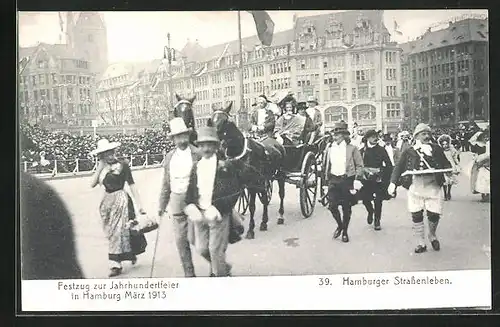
269	190
243	201
323	190
308	184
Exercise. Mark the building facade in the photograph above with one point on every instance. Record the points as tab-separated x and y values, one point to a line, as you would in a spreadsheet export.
55	87
346	60
445	76
57	82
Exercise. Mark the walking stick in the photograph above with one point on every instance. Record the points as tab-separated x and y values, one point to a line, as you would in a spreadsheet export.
155	247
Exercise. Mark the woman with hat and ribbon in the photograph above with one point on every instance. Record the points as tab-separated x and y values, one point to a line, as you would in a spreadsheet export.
116	207
424	190
344	164
451	154
176	172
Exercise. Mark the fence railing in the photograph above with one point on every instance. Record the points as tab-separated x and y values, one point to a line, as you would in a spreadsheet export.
79	166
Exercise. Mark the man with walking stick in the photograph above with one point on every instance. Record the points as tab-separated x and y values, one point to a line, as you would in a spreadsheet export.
177	170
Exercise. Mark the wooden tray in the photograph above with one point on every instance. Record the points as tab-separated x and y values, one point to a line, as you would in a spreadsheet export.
426	171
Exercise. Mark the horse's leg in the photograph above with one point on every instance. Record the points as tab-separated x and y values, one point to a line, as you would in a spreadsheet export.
265	217
281	186
251	207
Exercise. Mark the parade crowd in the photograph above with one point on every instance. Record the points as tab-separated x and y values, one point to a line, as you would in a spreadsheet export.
362	166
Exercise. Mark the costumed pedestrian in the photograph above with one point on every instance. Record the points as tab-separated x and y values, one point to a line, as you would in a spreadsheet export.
212	193
177	171
480	171
451	154
343	165
424	162
291	128
373	192
117	206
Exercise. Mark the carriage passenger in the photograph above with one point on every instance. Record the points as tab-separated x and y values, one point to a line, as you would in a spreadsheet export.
290	128
262	119
313	112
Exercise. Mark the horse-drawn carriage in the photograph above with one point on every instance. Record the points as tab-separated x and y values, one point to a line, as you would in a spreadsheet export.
303	168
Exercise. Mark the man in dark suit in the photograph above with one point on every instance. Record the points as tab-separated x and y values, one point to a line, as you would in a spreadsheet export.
374	190
177	168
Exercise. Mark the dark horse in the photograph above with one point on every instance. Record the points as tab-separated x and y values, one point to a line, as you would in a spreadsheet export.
259	163
184	110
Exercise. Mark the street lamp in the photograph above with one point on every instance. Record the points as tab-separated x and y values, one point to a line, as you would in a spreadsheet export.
168	56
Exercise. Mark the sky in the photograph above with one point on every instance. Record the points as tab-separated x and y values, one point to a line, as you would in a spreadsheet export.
140	36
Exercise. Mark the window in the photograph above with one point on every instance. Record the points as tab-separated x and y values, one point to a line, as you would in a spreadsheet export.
363	92
354	97
393	110
390	91
363	112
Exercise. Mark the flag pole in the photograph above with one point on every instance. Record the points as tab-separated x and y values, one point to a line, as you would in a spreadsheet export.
241	112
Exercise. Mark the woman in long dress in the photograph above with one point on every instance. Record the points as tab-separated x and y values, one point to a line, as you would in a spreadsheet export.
482	184
290	127
117	208
452	155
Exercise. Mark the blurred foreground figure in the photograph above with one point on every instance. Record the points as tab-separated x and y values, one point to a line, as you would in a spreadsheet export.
47	239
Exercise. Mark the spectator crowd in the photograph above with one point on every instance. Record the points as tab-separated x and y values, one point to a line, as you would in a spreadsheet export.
39	145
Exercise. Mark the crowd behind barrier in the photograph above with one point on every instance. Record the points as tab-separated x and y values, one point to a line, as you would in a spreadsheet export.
43	151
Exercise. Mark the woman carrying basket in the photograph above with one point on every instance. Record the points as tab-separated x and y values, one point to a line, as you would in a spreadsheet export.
116	207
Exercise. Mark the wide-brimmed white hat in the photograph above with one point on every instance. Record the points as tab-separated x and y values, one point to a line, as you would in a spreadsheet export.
178	126
104	145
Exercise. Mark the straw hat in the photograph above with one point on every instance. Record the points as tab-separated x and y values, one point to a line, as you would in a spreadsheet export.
104	145
178	126
340	127
312	98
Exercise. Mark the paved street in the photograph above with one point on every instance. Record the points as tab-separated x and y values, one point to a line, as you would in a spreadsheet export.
301	246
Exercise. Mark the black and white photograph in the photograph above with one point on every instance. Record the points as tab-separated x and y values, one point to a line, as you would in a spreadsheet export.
344	154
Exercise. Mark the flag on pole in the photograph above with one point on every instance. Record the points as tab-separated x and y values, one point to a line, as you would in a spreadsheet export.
201	70
396	28
61	22
217	63
264	25
134	85
23	63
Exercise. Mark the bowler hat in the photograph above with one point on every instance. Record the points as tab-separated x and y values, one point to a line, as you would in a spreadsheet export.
207	134
178	126
340	127
370	133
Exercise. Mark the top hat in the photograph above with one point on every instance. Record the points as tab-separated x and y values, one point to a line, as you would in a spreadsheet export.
207	134
421	128
340	127
370	133
104	145
312	98
178	126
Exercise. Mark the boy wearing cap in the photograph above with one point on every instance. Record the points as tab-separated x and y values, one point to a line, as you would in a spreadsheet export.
212	193
343	165
177	168
424	191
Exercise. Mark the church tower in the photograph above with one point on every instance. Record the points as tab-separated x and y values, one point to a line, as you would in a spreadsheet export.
90	40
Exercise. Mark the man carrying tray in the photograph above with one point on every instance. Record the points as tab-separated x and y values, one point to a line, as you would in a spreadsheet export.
420	170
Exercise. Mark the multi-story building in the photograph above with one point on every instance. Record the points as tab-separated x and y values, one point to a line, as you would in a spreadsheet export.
346	60
445	74
57	81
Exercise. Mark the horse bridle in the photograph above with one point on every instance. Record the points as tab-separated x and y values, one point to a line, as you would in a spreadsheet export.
245	145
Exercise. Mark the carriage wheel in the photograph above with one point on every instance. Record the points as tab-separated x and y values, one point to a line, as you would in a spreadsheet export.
308	185
269	190
322	181
243	201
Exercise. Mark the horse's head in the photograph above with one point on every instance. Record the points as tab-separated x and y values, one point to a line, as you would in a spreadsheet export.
227	131
184	110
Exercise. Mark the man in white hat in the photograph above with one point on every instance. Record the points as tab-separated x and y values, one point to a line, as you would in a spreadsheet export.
262	119
314	113
424	190
177	168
